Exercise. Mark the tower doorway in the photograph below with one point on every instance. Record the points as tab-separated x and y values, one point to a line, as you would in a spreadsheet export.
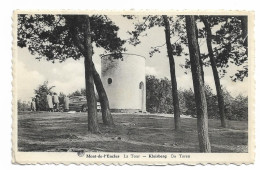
142	96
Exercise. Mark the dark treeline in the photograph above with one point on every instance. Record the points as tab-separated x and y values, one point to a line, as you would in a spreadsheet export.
159	100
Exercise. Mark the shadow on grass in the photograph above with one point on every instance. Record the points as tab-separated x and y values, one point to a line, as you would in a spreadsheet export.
64	132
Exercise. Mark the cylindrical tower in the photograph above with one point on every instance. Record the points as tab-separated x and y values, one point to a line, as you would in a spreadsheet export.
124	82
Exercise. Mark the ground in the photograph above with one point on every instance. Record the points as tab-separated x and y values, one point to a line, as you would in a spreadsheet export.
62	132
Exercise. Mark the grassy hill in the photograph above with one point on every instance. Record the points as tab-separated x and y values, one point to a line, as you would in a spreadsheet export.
65	132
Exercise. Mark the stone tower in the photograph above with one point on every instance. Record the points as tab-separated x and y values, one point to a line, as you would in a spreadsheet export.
124	82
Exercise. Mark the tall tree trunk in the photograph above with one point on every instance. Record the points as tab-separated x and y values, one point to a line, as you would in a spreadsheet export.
85	47
221	105
106	114
244	23
202	70
173	74
201	103
201	62
90	93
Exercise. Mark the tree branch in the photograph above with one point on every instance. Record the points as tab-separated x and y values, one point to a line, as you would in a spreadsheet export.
159	46
76	40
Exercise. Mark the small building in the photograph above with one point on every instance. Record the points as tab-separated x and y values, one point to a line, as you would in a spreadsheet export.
124	82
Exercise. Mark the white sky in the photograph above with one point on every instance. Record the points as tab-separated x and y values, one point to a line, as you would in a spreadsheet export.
69	75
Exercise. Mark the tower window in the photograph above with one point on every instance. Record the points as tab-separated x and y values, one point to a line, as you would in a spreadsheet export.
109	80
141	85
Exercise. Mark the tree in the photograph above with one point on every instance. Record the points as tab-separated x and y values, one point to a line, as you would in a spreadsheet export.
106	114
77	93
86	50
232	47
244	26
231	41
58	37
42	92
103	99
239	108
23	106
82	92
201	104
230	44
173	74
158	95
221	104
61	98
172	49
152	96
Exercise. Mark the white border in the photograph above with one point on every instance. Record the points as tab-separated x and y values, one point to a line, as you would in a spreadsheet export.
7	8
196	158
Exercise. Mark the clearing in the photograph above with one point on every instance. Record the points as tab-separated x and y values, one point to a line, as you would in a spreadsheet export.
67	132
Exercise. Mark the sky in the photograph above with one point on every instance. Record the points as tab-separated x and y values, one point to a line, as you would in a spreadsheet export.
68	76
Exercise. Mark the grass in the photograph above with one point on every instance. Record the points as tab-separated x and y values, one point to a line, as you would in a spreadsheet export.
65	132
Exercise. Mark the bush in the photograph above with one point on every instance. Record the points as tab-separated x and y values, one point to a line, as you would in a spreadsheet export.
159	100
238	108
158	95
23	106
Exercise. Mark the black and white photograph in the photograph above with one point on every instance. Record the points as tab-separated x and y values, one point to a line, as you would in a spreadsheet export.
133	83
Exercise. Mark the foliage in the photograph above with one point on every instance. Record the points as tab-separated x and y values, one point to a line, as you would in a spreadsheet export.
77	93
42	92
23	106
159	100
238	108
235	108
151	21
82	92
53	36
229	45
58	37
61	98
158	95
189	104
